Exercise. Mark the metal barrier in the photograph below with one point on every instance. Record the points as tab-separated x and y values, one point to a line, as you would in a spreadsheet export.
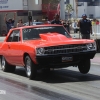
96	32
95	36
96	29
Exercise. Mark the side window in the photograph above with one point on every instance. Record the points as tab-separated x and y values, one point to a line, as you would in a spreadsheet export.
14	37
10	37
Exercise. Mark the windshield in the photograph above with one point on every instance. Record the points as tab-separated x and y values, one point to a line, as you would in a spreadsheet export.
33	33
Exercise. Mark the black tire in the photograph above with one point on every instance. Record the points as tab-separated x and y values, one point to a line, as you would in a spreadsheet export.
30	67
5	66
84	66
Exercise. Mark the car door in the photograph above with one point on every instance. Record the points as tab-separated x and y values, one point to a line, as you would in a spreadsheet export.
14	47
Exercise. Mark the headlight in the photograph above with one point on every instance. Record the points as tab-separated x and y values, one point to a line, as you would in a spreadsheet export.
92	46
40	51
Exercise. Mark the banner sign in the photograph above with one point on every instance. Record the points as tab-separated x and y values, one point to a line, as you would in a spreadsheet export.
11	5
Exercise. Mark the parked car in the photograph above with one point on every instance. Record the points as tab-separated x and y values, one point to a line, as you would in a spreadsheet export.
44	47
33	23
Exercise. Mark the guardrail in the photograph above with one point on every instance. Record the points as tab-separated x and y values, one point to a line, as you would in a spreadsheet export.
96	29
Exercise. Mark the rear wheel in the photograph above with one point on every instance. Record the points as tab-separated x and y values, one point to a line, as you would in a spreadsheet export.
84	66
5	66
30	67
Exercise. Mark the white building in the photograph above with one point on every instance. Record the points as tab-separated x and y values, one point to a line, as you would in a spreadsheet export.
89	7
91	11
35	6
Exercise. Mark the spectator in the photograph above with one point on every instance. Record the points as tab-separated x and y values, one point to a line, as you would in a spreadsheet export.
85	27
34	21
30	23
47	21
93	22
9	22
20	23
97	22
74	26
56	20
64	23
37	20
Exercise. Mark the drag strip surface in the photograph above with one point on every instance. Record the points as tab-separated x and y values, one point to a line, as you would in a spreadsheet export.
62	84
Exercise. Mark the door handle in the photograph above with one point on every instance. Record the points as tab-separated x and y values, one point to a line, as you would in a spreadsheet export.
9	46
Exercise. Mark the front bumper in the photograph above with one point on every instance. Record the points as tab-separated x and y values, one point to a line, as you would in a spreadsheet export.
56	60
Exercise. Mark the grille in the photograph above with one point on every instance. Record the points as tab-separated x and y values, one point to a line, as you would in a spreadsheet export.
62	49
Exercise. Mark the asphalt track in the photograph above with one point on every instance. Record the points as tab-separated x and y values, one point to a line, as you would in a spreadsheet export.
62	84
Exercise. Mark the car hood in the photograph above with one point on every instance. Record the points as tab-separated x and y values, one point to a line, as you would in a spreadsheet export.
52	39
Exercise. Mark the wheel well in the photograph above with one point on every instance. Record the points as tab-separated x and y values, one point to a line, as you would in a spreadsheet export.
0	56
25	54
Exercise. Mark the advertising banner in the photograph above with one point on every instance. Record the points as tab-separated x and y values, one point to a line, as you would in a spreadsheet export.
6	5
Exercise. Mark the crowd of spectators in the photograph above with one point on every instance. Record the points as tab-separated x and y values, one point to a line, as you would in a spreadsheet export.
68	24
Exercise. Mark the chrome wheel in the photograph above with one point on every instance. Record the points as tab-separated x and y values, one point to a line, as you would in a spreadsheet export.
28	67
3	63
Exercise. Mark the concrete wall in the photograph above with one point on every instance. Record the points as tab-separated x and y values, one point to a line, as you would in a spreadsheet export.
82	10
91	10
97	11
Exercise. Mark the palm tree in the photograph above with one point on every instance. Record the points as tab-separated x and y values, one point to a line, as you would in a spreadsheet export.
69	9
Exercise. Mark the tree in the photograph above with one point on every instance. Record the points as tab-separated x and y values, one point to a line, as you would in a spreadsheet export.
69	9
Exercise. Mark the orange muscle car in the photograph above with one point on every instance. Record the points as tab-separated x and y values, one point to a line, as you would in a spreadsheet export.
45	47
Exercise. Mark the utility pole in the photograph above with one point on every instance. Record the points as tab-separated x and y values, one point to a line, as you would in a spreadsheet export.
62	9
76	2
29	17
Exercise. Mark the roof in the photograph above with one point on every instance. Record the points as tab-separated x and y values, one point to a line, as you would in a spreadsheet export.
34	26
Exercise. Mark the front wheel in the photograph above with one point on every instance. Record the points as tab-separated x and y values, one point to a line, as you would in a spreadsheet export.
30	67
84	66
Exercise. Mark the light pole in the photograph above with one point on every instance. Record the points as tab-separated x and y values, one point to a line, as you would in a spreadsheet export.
62	9
76	2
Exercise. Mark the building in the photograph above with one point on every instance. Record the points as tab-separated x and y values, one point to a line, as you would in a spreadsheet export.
89	7
21	7
50	8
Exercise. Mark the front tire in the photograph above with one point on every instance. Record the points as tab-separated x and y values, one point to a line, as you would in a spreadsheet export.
30	67
84	66
5	66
